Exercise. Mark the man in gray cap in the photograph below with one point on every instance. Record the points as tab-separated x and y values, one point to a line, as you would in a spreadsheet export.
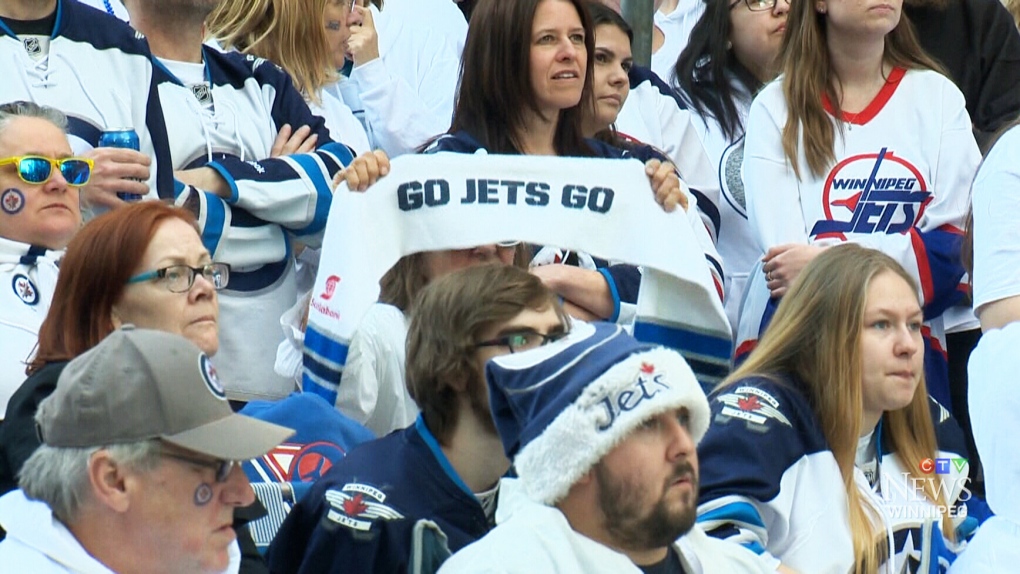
138	471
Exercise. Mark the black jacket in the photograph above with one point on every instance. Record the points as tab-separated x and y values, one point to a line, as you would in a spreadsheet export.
978	44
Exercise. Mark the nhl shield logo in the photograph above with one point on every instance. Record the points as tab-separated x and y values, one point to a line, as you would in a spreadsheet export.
32	46
202	93
212	380
12	201
25	289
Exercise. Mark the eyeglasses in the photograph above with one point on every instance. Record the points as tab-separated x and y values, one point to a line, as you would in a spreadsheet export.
758	5
37	169
223	468
522	341
180	278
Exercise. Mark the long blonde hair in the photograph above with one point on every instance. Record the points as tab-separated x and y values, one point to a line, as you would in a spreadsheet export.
815	336
290	33
807	75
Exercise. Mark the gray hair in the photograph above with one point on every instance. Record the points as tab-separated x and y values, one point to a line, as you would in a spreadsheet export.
22	109
60	476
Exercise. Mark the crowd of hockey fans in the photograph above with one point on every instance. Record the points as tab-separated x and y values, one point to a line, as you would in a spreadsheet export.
419	286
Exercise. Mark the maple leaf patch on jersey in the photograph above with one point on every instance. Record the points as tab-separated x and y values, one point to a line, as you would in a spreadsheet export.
752	405
357	506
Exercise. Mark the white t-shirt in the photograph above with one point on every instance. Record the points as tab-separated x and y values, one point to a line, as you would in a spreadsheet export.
676	27
996	233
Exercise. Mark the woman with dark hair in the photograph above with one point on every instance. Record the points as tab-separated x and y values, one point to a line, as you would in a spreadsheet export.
730	56
525	88
613	63
860	140
823	446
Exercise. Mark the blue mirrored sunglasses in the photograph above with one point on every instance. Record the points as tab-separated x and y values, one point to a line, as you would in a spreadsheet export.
36	169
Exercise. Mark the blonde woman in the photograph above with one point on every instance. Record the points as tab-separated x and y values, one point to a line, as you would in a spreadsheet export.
859	140
305	38
823	446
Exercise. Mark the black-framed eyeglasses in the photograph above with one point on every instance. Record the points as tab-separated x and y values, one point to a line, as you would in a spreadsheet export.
522	340
180	278
222	468
758	5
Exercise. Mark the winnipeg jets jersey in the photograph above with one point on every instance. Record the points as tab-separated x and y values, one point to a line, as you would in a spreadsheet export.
737	245
394	504
770	482
96	70
28	275
900	184
228	120
654	115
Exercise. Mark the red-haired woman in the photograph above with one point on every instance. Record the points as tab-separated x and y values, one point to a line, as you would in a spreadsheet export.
142	264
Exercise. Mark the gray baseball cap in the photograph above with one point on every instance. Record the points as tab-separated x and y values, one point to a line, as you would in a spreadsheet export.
138	385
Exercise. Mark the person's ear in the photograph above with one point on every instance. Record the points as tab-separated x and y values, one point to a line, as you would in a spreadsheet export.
821	8
109	481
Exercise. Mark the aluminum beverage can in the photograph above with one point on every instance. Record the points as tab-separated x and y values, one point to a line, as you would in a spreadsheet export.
125	138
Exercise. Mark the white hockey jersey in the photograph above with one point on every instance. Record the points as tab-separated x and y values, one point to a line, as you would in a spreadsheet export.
229	122
737	245
900	184
405	97
98	72
770	482
654	115
28	275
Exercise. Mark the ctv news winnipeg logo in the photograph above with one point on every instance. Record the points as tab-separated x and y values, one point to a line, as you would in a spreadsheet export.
946	477
942	465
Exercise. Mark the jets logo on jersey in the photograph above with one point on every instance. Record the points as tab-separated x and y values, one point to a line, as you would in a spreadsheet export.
752	405
872	193
358	505
25	289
